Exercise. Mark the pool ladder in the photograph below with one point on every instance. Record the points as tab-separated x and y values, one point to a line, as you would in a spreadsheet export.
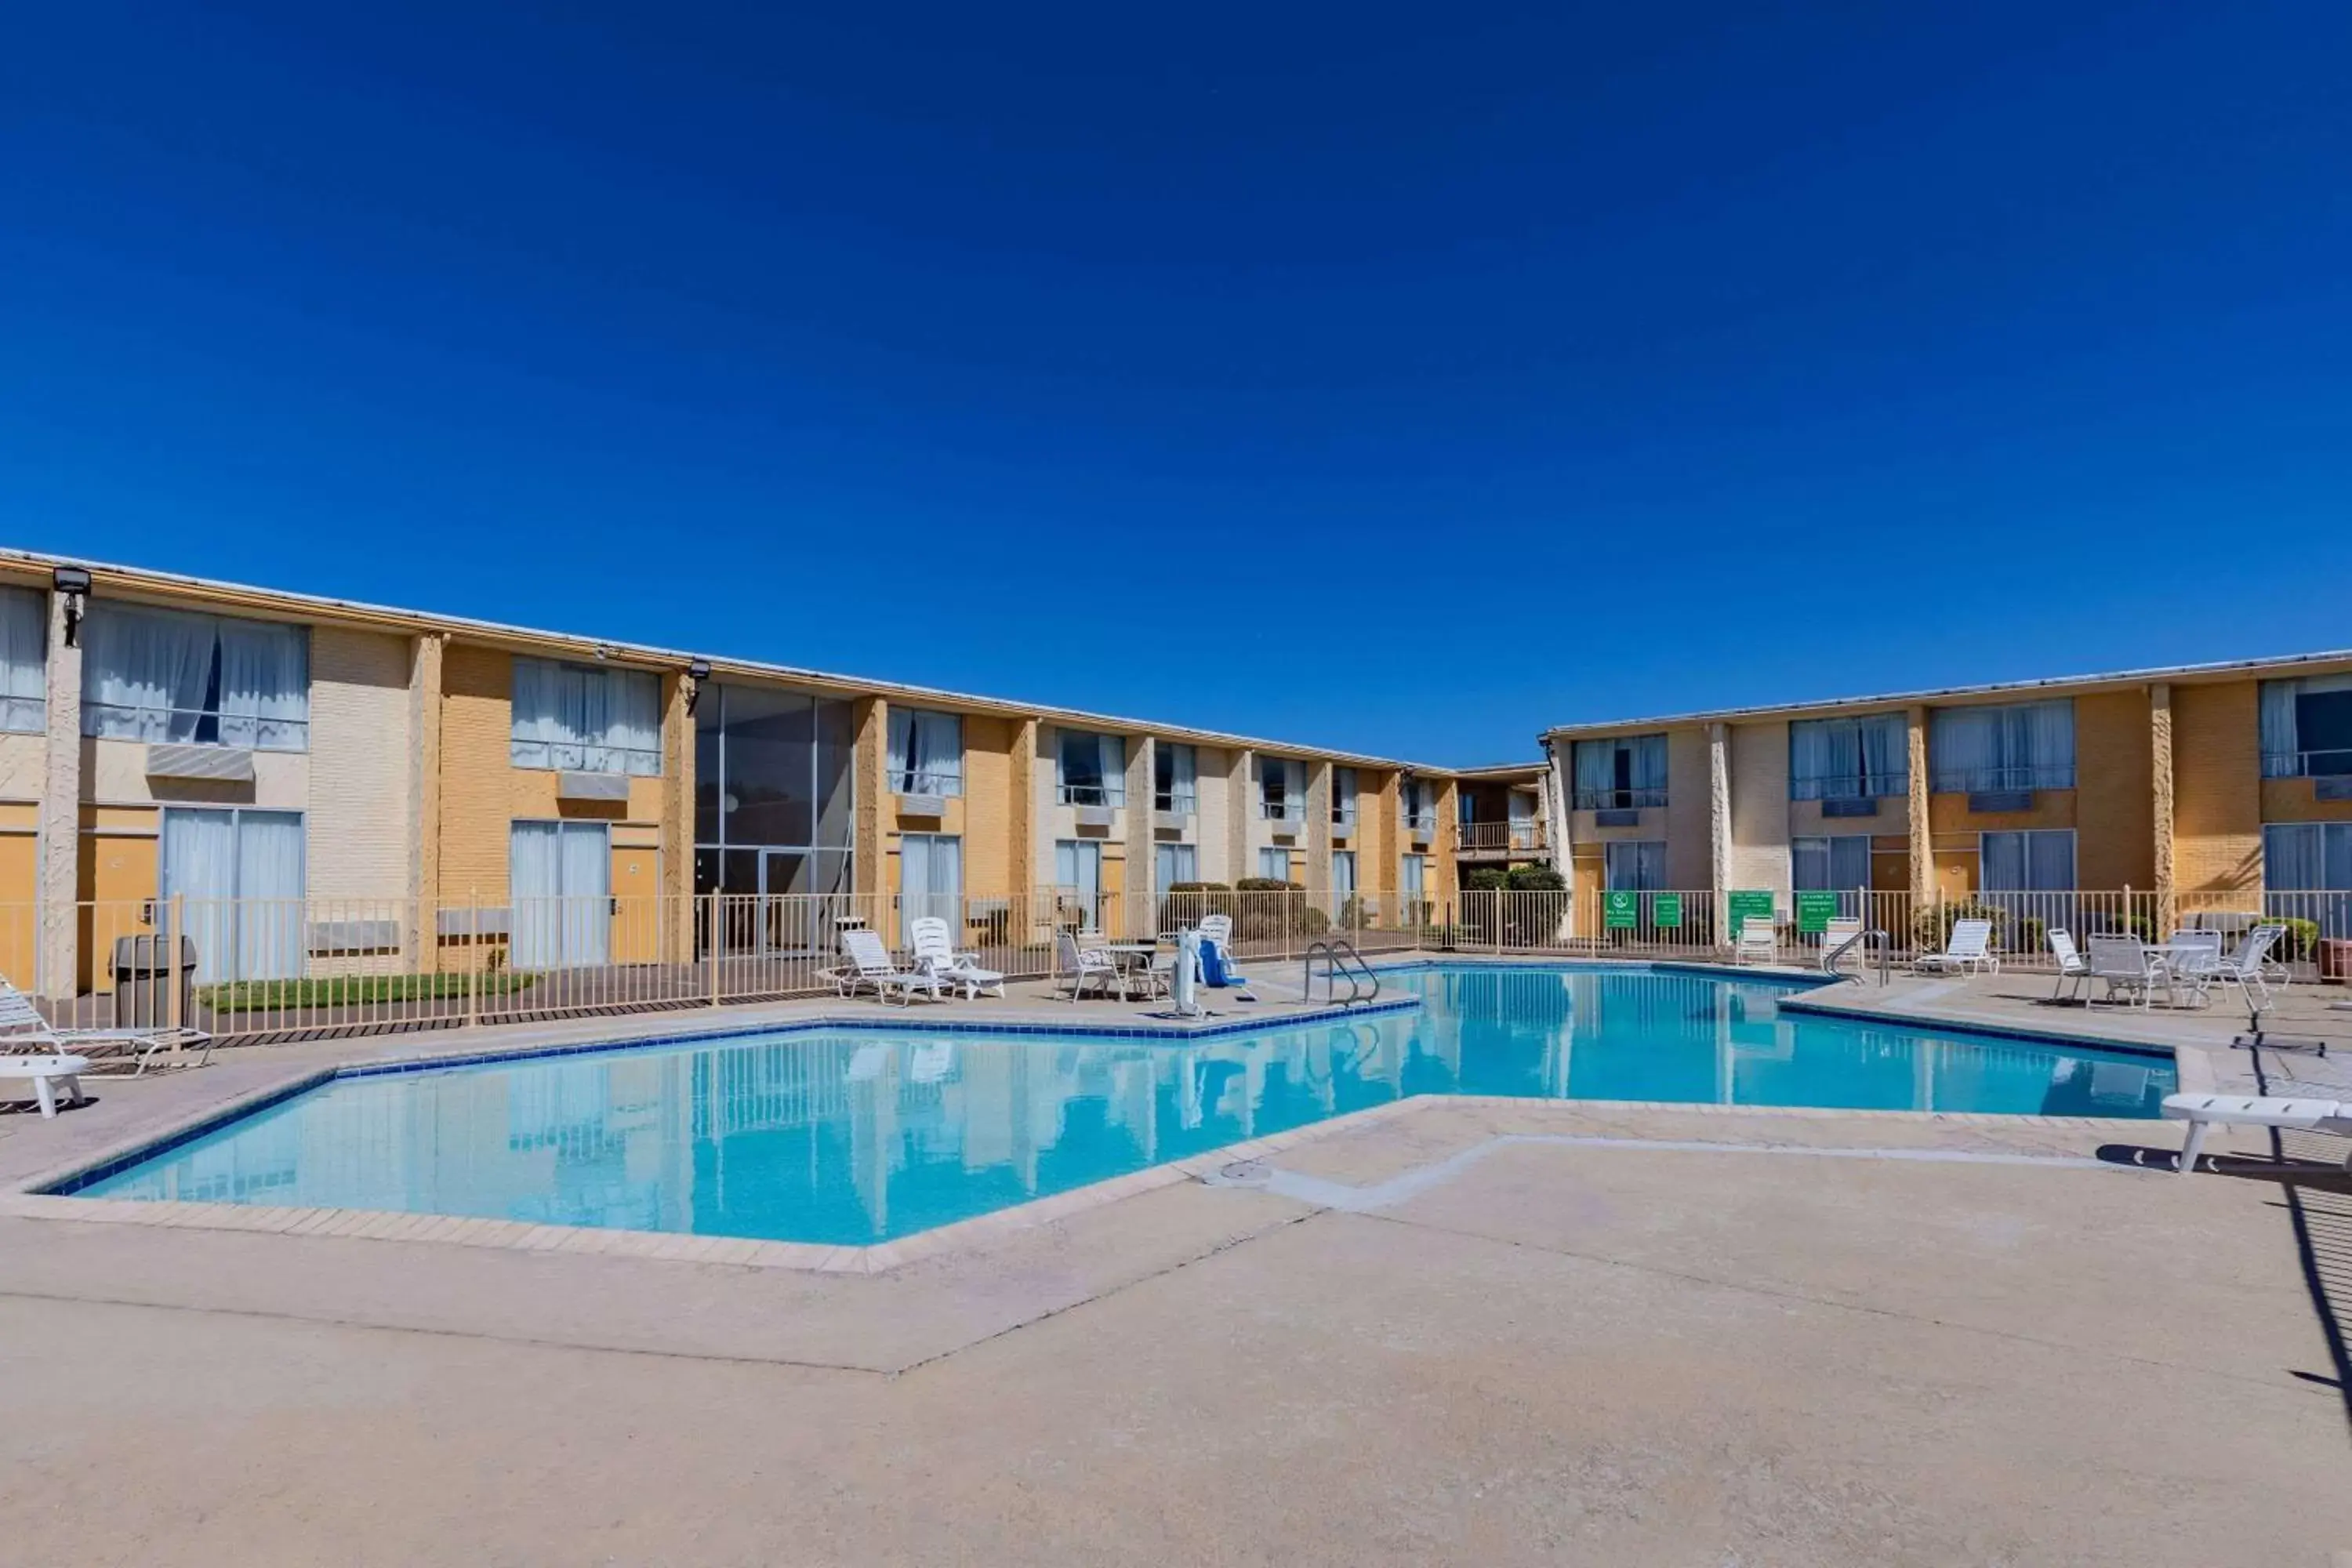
1830	956
1341	961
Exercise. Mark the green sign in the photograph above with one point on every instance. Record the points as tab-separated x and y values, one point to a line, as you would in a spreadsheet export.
1814	912
1619	911
1666	910
1745	904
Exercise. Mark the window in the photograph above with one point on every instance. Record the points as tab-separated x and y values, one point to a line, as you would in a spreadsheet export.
1416	876
561	880
931	882
2024	746
926	752
1093	768
1850	759
1343	797
2039	862
773	777
1175	863
24	672
1343	881
1620	774
1273	865
2307	874
586	719
2306	727
206	681
1635	866
1525	831
1419	798
1077	872
1840	863
239	876
1282	789
1172	779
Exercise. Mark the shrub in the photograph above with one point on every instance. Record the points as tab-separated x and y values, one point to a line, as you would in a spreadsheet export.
1265	885
1486	879
2301	941
1535	880
1186	903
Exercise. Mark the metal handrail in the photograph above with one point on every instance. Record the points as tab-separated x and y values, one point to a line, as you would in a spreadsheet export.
1334	950
1831	955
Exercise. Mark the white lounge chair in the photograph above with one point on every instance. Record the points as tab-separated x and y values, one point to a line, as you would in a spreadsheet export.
935	951
49	1071
864	949
1082	963
2073	969
2203	1112
2130	971
1967	950
1758	941
1836	935
21	1024
2244	968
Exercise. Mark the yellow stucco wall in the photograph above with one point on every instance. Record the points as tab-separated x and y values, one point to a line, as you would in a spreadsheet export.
2216	826
478	791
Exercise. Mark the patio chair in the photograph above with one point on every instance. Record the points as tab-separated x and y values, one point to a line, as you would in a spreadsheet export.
2195	959
2129	968
874	967
1836	935
2245	968
2073	969
935	952
1218	930
1082	963
1966	950
49	1071
21	1024
2203	1112
1758	941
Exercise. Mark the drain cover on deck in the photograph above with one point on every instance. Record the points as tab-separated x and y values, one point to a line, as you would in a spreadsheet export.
1243	1173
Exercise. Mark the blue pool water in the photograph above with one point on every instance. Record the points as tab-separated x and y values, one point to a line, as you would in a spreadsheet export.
858	1136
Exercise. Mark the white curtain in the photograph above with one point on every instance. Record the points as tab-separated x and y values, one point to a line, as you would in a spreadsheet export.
590	720
269	895
2029	745
559	876
1841	863
1175	863
2040	862
1343	880
1415	876
1595	764
2294	856
926	752
1885	755
265	686
1343	795
1648	764
24	679
587	856
1077	865
1113	761
1824	759
144	673
931	882
199	868
1637	866
1174	767
1273	865
2282	752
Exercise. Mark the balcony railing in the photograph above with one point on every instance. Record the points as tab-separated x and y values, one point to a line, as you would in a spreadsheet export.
1850	786
918	782
1093	794
1175	803
1619	799
1282	810
2015	776
1505	835
2326	764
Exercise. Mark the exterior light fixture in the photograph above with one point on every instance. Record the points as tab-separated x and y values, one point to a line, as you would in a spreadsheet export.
698	670
73	582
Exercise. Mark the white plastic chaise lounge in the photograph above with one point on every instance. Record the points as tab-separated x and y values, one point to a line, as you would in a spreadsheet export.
1758	941
1968	949
2245	968
935	951
21	1024
49	1072
2203	1112
864	949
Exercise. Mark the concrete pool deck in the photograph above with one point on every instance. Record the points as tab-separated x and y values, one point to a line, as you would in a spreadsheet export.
1492	1332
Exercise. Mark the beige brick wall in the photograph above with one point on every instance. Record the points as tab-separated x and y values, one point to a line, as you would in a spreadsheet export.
360	817
1688	852
115	772
477	726
2217	787
1213	828
23	760
1760	806
2114	794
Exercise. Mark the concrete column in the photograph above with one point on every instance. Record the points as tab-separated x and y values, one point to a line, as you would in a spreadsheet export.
2160	730
1241	810
1552	794
869	787
1318	829
1021	822
1446	882
423	926
60	816
1142	865
1923	842
1718	807
1379	835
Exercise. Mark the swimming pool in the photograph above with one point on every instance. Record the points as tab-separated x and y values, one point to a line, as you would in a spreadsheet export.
858	1136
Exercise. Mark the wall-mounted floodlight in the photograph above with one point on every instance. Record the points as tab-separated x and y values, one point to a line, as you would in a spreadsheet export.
73	582
696	672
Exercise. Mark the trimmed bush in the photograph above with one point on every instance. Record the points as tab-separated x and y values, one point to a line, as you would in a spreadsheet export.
2301	941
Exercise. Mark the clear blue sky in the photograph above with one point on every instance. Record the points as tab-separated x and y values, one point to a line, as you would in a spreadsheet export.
1399	378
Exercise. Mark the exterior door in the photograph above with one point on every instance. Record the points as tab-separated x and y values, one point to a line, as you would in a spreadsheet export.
636	905
562	876
237	876
930	883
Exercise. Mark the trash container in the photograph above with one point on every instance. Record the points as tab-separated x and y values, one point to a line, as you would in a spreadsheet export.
140	978
2336	962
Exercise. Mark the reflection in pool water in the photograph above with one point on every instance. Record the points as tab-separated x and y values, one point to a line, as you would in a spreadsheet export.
852	1137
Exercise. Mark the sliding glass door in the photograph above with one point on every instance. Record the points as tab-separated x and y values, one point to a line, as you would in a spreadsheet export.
562	876
238	877
931	882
